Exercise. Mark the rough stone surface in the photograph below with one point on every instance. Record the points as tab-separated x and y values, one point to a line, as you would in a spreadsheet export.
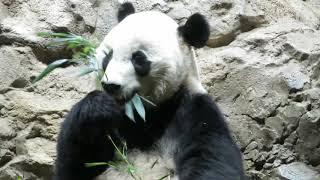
261	65
296	171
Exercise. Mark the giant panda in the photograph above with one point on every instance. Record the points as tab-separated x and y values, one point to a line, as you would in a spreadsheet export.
183	137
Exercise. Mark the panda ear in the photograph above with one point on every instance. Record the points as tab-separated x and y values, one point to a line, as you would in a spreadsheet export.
125	10
196	31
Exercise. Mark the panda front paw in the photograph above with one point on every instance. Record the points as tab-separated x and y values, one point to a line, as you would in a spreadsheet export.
83	136
97	112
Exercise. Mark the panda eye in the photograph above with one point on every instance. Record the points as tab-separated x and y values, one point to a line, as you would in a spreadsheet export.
140	63
139	58
106	59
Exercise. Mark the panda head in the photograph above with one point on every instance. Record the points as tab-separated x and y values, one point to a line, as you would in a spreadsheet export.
149	54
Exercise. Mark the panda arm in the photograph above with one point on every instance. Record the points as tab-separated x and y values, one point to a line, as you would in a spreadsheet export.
206	149
83	137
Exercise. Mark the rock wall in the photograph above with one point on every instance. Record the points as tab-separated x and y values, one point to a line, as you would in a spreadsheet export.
262	66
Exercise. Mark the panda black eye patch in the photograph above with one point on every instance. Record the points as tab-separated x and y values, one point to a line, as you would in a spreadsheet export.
140	63
106	59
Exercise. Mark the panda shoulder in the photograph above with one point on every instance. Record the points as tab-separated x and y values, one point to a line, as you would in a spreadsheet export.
203	105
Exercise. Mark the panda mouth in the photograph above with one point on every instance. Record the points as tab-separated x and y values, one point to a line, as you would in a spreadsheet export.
120	100
124	98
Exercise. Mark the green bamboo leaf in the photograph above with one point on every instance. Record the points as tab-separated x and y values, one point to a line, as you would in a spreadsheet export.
110	164
67	39
92	50
50	68
129	111
154	163
98	84
99	75
131	169
96	164
86	49
86	71
71	46
55	44
124	148
75	41
148	101
44	34
138	105
19	177
62	35
163	177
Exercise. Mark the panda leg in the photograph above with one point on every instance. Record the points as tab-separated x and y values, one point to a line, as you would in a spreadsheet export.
83	137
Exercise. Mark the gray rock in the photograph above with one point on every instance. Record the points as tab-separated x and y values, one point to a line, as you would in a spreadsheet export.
291	140
3	12
9	174
251	18
313	94
267	166
34	15
268	137
304	11
277	163
313	116
295	79
252	155
38	149
21	166
308	143
238	123
303	46
29	106
292	114
10	69
85	17
5	156
106	12
296	171
262	158
253	145
247	165
34	160
7	130
277	124
178	11
223	17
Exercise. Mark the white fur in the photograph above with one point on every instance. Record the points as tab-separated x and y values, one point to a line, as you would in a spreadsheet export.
173	62
151	165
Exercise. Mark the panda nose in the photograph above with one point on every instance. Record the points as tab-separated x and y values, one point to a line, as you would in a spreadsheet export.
111	88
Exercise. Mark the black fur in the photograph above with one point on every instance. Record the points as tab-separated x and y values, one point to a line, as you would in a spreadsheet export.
196	31
205	148
140	63
107	59
83	137
125	10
